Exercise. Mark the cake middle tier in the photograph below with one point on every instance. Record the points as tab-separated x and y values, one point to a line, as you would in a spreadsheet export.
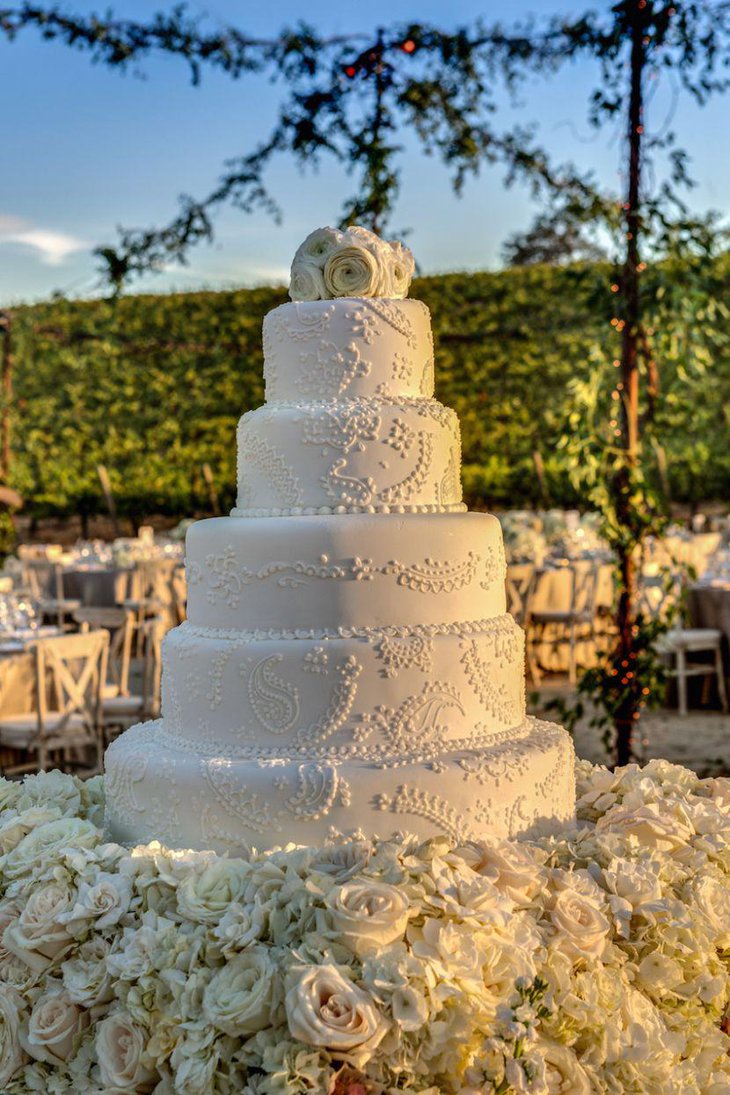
349	456
359	571
373	693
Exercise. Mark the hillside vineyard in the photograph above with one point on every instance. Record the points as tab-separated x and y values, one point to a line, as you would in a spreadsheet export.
347	662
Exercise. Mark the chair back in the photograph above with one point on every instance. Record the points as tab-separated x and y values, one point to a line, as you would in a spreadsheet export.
152	631
583	587
38	551
120	623
44	578
179	588
520	584
659	596
74	668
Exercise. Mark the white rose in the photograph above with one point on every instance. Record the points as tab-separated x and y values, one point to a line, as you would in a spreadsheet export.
18	825
368	914
105	901
654	826
341	861
719	790
242	996
44	845
205	897
120	1045
11	1051
564	1075
10	792
54	788
323	1008
402	269
306	281
54	1028
318	245
352	271
510	868
240	926
38	934
711	894
85	975
581	927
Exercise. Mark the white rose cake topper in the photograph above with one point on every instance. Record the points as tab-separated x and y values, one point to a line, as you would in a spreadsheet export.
350	263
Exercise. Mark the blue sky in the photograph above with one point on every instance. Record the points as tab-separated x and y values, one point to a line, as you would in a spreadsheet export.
83	149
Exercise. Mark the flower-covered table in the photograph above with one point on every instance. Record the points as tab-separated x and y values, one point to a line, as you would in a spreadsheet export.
594	962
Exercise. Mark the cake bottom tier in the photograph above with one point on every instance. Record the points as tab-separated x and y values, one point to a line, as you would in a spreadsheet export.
522	783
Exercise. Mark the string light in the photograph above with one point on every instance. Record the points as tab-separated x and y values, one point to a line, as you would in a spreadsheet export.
409	46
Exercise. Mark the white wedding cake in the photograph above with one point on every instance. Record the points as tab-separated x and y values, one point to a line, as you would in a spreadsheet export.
347	662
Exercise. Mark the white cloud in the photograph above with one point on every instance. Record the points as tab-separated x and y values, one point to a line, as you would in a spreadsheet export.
52	247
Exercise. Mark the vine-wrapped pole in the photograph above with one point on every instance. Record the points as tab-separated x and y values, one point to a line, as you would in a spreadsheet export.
6	327
639	15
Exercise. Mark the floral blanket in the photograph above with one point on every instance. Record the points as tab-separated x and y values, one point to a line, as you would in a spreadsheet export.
594	962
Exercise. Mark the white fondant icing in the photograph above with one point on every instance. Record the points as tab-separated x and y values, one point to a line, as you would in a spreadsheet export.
330	349
348	452
347	662
520	785
401	687
326	572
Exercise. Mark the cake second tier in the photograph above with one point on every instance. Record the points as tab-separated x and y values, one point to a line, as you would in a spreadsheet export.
376	455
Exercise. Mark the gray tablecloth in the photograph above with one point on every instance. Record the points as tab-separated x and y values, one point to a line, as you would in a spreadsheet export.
99	588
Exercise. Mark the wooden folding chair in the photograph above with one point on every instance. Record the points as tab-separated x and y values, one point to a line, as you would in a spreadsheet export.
69	673
127	708
575	624
44	579
661	598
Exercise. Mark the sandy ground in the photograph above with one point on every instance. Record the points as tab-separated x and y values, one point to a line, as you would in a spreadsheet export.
700	740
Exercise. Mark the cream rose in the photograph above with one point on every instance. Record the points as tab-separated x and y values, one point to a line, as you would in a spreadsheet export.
368	915
564	1074
324	1008
306	281
352	271
38	934
205	897
11	1051
580	925
54	1027
120	1045
242	996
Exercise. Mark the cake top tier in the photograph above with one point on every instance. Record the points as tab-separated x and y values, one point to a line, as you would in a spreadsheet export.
350	263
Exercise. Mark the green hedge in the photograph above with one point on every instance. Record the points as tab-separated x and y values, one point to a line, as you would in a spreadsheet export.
152	387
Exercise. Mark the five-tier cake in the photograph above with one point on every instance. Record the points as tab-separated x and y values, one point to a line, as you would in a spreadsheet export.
347	662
